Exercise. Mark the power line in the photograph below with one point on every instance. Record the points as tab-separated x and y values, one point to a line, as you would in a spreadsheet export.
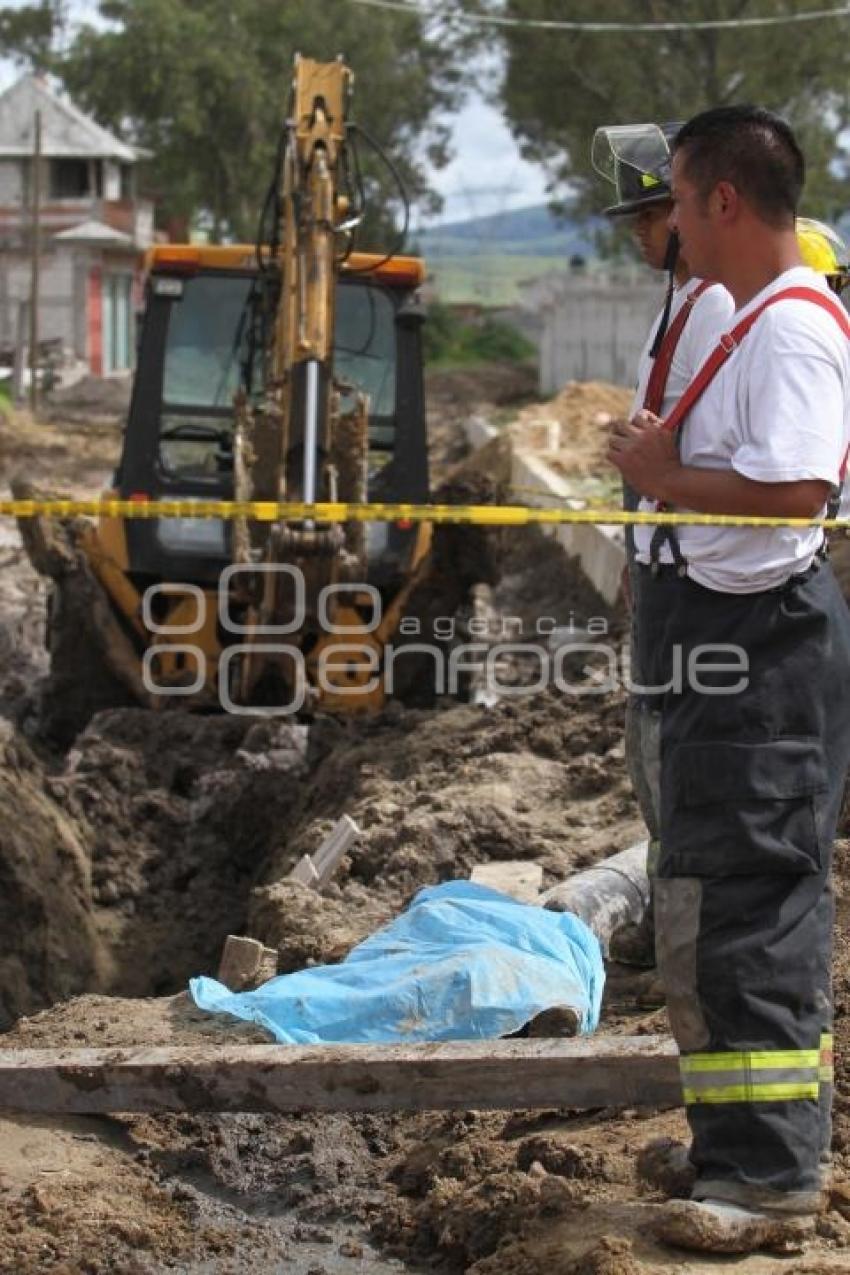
547	24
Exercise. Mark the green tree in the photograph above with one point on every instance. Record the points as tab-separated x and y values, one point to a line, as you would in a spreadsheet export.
203	85
27	32
450	339
558	86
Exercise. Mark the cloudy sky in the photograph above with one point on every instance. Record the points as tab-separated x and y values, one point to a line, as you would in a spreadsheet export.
486	175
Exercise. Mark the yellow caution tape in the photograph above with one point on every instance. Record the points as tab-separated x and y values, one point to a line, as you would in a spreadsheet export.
479	515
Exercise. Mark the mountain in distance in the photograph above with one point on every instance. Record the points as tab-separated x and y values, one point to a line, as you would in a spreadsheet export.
534	232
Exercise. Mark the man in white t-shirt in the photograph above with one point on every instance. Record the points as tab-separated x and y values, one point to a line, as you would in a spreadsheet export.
745	642
635	159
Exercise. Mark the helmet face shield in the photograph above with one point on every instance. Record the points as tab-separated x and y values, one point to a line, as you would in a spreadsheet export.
635	159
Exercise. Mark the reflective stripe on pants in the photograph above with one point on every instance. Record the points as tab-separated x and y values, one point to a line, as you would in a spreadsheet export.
751	1076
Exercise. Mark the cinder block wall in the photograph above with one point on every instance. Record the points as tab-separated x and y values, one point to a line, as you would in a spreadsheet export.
595	331
58	301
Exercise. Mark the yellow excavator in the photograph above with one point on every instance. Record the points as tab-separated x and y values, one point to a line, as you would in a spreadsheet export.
289	370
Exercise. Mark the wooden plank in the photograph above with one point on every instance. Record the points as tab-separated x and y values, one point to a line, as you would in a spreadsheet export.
502	1074
317	870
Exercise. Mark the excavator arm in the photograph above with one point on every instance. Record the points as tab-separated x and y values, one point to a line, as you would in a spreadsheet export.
295	444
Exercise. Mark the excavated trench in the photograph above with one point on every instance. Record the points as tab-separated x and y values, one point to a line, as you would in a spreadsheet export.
133	853
178	828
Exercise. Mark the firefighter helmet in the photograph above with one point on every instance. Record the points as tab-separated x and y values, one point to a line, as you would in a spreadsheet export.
635	159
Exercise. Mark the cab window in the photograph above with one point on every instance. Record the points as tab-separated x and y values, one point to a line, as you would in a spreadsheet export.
207	333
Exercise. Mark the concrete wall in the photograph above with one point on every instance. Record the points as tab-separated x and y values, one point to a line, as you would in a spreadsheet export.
600	550
593	329
11	181
63	294
58	302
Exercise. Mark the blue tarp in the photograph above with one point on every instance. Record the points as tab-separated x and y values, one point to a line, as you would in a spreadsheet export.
464	962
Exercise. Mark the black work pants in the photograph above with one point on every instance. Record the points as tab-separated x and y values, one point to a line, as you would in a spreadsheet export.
753	759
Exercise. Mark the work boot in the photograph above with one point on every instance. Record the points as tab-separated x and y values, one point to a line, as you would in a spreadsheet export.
650	993
665	1165
715	1226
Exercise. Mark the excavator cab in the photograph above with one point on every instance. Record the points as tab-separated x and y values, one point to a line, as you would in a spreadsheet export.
193	358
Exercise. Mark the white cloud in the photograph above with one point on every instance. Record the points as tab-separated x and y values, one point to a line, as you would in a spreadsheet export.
487	173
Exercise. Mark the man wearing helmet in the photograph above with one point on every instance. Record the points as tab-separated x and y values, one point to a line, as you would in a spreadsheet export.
635	159
755	735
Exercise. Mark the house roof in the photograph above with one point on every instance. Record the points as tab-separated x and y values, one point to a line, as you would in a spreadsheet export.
65	130
96	233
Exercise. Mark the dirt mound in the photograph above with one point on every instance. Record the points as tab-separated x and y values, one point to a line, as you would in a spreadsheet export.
23	615
456	394
467	389
101	1021
437	793
91	399
185	827
573	426
58	455
91	1208
50	946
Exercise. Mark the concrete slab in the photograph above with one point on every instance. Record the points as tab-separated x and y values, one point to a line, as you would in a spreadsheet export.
518	878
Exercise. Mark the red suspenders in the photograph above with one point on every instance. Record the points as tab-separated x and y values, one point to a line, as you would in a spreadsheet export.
712	365
657	383
731	340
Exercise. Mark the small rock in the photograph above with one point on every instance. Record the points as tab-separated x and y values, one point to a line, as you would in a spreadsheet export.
610	1255
839	1199
832	1226
706	1228
350	1248
663	1164
38	1199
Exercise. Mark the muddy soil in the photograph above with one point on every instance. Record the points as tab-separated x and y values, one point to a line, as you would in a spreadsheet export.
65	457
125	861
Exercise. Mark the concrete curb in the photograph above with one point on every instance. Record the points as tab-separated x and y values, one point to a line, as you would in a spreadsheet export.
600	550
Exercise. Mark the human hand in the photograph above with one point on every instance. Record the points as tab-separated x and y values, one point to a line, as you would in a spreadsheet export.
645	454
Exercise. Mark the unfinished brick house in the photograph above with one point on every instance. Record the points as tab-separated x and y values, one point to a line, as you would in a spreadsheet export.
93	229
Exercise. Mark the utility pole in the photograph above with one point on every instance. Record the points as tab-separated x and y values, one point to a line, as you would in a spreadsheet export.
20	353
35	263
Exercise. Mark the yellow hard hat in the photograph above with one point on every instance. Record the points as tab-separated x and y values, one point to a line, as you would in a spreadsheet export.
821	248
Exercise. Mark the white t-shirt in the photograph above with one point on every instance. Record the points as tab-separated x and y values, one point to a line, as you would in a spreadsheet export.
777	411
708	319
